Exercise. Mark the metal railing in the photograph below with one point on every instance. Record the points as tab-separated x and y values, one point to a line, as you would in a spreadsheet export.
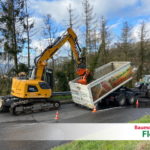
61	93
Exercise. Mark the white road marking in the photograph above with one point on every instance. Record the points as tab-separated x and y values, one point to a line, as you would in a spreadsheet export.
112	108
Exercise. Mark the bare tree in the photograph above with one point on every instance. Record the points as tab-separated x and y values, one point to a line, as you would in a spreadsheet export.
142	48
28	25
101	56
94	39
89	21
49	31
126	40
72	22
70	12
104	41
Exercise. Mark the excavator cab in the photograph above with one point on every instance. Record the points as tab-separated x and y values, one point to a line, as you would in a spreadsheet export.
48	77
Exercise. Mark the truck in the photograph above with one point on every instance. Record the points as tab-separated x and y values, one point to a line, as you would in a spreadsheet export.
142	88
107	86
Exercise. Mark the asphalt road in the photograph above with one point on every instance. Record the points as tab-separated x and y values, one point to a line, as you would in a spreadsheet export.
66	111
13	129
112	115
29	145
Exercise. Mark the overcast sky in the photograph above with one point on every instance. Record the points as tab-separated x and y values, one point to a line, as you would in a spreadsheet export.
115	11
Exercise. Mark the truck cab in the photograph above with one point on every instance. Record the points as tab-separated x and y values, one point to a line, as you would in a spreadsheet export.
143	86
145	80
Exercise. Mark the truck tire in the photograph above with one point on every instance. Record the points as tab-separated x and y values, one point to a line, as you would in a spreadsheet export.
131	100
121	99
147	94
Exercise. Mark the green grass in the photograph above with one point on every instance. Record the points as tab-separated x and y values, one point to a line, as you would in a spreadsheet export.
145	119
67	97
99	145
109	145
105	145
4	92
5	86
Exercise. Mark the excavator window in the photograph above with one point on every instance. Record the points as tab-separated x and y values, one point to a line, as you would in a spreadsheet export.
44	85
48	77
32	88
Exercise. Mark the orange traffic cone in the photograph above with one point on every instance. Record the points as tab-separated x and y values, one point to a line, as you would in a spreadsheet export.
94	110
137	103
57	116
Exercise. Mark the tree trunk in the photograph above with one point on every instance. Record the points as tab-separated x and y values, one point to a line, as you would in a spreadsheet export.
16	63
14	38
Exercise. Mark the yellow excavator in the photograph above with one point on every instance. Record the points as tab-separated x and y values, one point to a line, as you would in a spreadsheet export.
34	93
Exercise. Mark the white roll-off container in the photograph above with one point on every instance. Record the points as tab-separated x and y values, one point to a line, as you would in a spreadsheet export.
107	79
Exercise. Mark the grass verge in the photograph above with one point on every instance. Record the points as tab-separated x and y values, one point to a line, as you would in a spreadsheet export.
145	119
66	97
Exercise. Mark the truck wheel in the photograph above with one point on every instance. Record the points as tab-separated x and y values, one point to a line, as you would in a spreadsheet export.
147	94
121	99
131	100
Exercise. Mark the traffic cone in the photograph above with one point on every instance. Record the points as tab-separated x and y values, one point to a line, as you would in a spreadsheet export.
94	110
137	103
57	116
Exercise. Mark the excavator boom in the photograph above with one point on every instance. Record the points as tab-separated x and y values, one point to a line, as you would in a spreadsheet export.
41	61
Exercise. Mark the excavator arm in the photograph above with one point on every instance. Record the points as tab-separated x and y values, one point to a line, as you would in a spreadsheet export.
69	36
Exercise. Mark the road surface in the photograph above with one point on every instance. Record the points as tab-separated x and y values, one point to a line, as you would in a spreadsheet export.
25	127
65	112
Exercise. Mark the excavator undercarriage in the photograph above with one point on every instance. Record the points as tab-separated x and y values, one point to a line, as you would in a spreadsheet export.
17	106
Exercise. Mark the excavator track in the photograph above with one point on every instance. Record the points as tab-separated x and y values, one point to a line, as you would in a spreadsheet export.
31	106
26	106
